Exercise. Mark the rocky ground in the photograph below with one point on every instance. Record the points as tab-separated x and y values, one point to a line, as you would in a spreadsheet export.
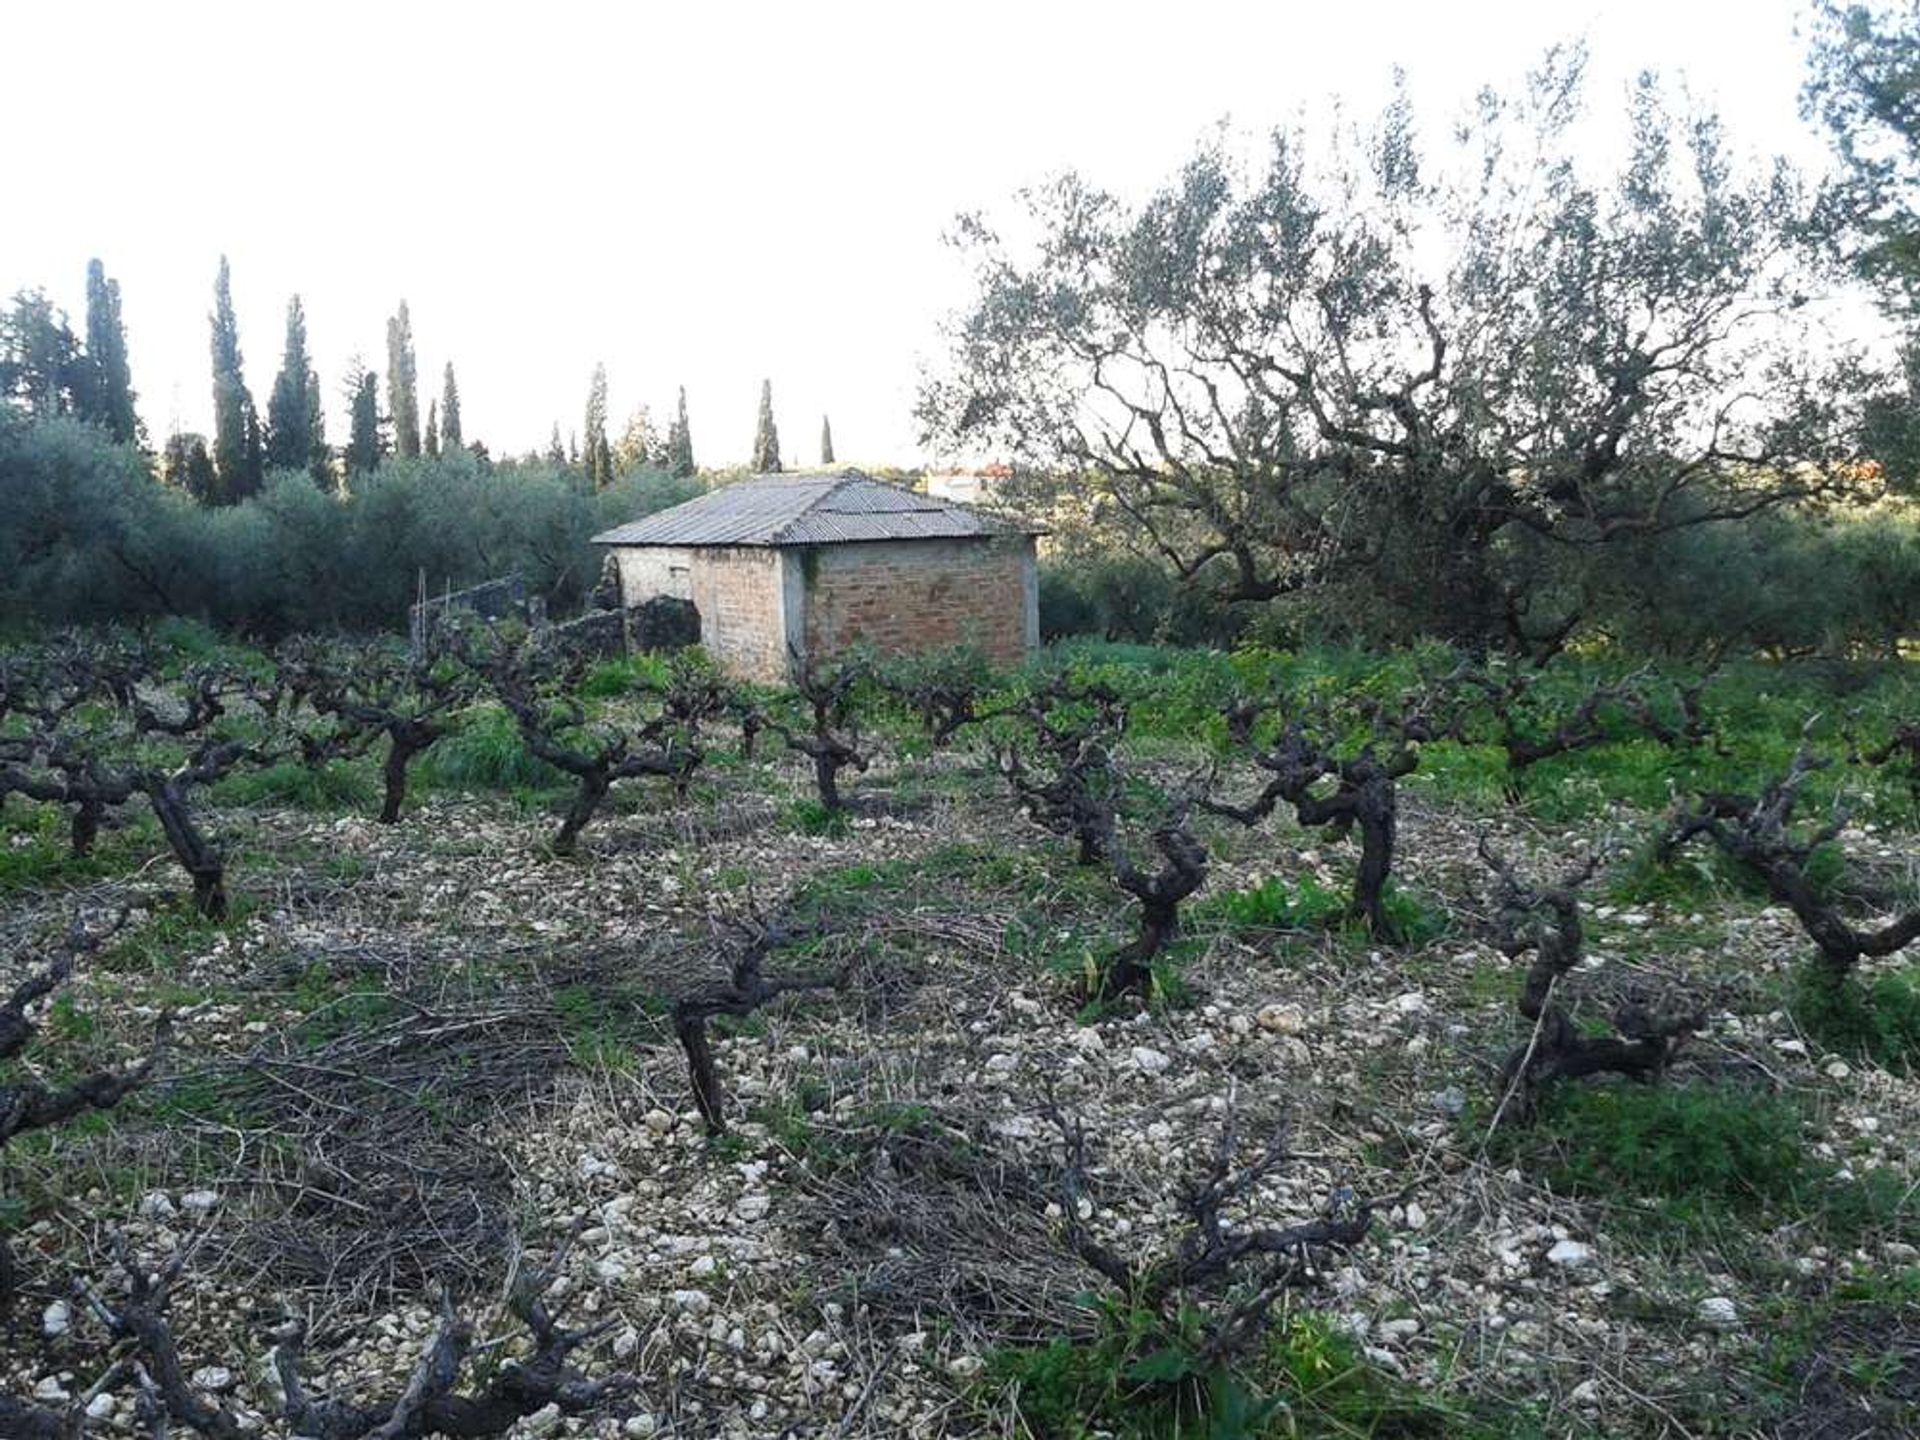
422	1056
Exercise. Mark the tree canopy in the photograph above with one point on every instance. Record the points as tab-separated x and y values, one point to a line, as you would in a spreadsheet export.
1444	385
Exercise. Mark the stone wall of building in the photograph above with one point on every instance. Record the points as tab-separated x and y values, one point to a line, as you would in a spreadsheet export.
740	594
903	597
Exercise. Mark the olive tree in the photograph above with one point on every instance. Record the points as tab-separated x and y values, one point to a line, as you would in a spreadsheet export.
1426	387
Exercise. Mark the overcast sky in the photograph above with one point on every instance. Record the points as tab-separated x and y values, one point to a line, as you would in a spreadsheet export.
699	194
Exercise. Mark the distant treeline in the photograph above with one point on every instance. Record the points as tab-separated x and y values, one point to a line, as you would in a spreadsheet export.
50	372
87	533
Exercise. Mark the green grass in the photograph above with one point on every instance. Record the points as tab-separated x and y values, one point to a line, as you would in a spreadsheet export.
810	817
1138	1377
487	753
36	849
325	789
606	1029
1703	1160
1877	1019
1695	1150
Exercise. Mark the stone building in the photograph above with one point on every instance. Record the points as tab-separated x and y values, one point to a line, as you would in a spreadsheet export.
806	565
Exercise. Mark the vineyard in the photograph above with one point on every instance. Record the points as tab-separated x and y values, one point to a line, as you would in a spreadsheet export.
1145	1042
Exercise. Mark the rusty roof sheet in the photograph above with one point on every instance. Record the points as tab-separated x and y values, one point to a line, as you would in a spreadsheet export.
810	510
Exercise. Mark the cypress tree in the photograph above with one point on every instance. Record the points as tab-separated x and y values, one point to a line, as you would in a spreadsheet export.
296	426
364	447
403	394
433	430
110	402
237	461
556	452
599	455
826	441
680	441
766	435
451	438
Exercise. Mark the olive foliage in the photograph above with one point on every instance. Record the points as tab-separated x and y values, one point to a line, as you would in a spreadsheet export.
1433	388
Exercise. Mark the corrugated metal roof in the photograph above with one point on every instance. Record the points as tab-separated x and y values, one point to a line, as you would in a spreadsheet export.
809	510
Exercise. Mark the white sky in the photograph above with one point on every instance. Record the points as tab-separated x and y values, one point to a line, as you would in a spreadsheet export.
700	194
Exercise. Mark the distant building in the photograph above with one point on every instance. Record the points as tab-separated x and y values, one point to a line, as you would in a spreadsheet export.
808	565
969	487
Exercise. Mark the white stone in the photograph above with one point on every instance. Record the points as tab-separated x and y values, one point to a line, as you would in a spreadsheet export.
704	1266
1002	1064
50	1388
100	1407
200	1202
639	1425
1149	1061
545	1420
1416	1216
659	1122
1587	1392
213	1377
1719	1312
753	1207
626	1344
56	1319
694	1302
965	1367
1839	1070
157	1205
1395	1330
1278	1019
1570	1254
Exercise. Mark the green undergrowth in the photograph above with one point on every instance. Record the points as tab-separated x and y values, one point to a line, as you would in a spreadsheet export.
606	1028
1277	903
324	788
1699	1159
487	753
36	850
1137	1376
1876	1019
809	817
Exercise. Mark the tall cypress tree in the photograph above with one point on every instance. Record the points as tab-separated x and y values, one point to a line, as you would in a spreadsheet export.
432	441
826	441
296	426
403	394
599	454
365	445
766	435
680	441
109	402
237	460
556	452
451	438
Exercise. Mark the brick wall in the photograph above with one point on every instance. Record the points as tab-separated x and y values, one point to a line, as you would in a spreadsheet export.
907	596
738	592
